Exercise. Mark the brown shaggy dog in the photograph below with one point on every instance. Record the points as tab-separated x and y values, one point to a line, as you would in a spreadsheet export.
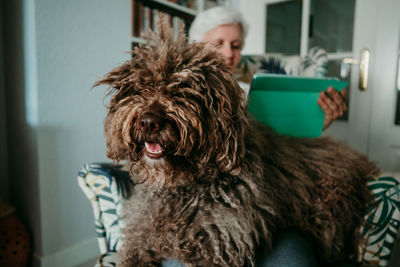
212	186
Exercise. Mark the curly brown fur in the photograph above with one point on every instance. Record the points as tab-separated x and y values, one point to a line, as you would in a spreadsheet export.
212	185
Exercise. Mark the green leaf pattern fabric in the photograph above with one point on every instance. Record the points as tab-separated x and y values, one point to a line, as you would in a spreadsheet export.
382	221
101	189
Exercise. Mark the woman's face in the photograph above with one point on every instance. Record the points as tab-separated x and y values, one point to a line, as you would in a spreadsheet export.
228	40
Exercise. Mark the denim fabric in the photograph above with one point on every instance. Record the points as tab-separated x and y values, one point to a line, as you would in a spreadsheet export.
291	250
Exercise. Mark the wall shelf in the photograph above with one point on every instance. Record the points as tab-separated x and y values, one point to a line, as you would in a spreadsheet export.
145	14
171	8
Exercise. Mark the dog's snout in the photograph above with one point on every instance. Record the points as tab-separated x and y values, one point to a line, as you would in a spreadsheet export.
150	123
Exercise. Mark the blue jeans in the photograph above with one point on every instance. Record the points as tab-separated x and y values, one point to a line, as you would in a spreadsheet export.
291	250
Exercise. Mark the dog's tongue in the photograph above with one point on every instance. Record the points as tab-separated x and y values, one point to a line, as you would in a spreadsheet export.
154	147
153	150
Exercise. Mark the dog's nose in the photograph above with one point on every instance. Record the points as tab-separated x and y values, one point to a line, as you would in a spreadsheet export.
150	123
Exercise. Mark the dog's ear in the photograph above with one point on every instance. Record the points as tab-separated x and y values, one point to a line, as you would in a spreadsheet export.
117	78
230	154
228	122
117	147
230	151
119	85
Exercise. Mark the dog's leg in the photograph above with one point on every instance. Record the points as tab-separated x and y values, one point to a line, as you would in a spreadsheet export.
135	263
132	258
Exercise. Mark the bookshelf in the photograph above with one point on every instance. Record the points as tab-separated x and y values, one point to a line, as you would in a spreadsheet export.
145	15
179	13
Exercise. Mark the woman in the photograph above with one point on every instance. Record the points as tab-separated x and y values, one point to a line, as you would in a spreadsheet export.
225	30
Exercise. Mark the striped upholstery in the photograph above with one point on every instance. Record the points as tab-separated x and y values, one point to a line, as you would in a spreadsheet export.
99	183
382	220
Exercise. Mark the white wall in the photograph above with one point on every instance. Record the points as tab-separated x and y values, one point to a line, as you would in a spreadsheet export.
77	42
68	45
255	15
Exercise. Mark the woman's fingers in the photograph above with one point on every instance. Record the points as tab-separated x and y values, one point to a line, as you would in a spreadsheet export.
333	104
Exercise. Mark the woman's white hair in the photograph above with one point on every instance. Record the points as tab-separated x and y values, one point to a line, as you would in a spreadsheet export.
211	18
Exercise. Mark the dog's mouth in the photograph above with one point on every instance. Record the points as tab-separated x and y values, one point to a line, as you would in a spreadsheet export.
153	150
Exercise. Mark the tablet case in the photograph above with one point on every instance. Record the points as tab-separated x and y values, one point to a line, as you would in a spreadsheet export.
288	104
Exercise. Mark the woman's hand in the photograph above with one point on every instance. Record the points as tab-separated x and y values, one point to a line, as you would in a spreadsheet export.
333	104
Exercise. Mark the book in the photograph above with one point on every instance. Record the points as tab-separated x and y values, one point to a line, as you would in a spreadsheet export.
288	104
147	19
137	19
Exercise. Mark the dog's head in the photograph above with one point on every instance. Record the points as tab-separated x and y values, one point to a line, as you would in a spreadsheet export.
174	106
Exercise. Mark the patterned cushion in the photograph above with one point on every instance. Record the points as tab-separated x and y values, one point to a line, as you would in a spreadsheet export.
108	259
382	220
99	184
314	64
106	194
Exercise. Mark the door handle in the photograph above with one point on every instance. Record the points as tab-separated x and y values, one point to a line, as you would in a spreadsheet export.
364	68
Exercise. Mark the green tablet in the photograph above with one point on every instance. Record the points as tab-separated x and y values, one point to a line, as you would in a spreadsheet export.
288	104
